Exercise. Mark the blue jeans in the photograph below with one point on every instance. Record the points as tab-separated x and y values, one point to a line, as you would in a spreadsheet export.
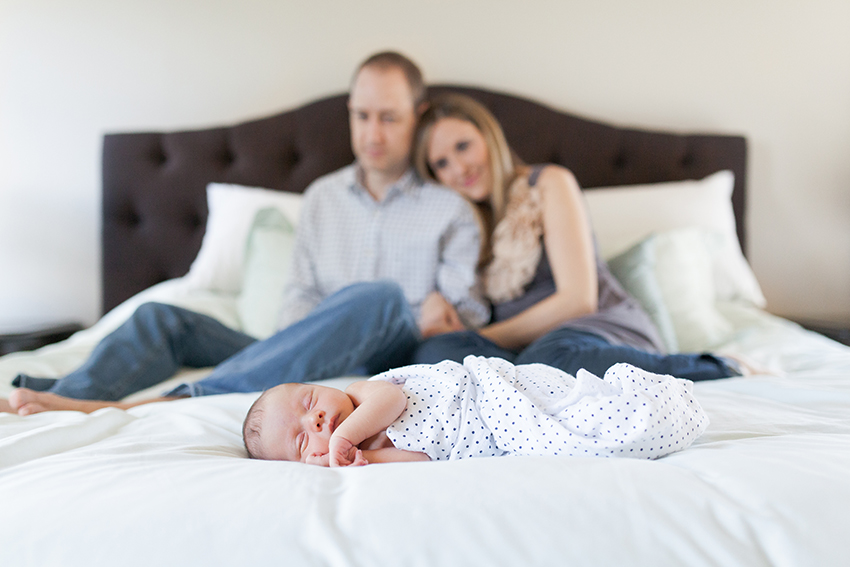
570	350
364	328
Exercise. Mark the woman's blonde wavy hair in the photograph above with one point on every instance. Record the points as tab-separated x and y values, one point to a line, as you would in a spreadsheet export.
503	161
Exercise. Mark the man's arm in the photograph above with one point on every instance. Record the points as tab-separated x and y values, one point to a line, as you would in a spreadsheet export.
457	278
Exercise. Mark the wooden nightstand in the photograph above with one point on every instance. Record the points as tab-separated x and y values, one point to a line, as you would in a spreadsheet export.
37	338
834	331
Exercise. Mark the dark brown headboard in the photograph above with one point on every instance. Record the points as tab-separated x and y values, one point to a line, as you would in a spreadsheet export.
154	184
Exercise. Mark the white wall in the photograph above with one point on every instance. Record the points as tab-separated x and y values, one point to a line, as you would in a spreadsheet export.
776	71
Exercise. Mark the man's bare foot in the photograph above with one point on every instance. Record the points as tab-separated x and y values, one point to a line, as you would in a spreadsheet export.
6	407
24	401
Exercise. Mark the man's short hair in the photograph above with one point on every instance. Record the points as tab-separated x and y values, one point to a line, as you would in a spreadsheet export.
392	59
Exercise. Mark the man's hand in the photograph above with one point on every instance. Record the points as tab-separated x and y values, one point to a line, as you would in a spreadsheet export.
438	316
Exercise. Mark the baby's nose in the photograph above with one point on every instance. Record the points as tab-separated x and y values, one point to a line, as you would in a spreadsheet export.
320	419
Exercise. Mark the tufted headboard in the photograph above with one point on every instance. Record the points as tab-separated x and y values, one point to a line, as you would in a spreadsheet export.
154	184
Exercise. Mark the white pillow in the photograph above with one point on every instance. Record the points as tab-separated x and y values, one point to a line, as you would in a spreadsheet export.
669	273
623	218
232	208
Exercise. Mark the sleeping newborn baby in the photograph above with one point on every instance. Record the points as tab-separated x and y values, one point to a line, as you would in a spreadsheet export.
481	408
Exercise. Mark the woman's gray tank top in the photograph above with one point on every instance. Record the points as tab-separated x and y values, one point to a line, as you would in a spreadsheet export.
619	317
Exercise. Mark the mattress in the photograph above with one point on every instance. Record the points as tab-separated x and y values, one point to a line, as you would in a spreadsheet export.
170	484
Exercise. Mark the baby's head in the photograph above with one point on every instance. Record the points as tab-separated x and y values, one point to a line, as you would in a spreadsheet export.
292	421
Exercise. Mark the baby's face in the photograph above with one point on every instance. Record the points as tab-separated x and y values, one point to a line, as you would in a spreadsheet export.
298	420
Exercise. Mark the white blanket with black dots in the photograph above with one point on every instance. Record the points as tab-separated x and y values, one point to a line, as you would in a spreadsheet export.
489	407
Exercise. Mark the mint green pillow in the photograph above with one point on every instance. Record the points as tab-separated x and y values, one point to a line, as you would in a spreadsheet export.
266	270
670	274
635	269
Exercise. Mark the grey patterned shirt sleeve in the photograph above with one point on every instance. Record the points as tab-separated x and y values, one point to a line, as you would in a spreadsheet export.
455	279
421	235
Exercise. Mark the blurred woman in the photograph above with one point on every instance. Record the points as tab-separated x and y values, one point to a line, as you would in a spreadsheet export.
554	299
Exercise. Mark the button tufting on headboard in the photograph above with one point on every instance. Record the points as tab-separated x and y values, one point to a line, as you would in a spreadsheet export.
130	217
619	161
291	157
194	220
228	157
158	156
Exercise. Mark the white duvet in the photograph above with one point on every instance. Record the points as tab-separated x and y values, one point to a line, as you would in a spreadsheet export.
768	483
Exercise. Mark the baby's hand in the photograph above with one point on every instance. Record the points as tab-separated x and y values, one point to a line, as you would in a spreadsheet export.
344	453
359	459
321	459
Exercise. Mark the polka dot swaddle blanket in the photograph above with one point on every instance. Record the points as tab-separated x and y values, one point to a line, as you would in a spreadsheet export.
489	407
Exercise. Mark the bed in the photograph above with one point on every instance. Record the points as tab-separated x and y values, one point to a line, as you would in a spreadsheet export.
170	484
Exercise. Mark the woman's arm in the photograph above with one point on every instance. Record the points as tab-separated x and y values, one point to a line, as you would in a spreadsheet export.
376	405
569	246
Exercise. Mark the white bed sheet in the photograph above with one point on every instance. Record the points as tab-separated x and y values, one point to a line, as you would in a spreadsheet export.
168	484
